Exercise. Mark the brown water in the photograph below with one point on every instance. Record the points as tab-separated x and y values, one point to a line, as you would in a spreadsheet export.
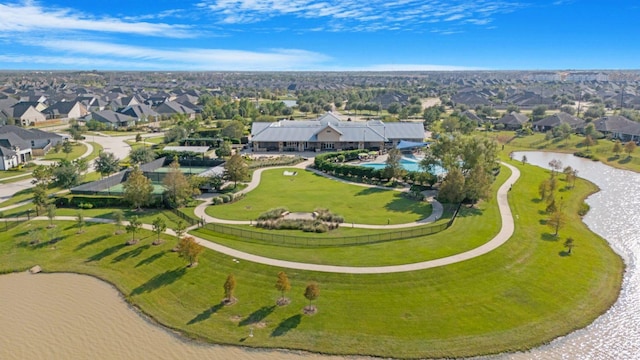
69	316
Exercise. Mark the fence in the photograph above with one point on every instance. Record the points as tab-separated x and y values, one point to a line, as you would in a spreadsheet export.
185	217
253	236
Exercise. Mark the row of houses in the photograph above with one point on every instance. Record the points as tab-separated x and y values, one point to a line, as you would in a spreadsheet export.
614	126
114	113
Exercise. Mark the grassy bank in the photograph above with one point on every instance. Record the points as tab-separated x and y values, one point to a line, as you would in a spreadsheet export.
524	293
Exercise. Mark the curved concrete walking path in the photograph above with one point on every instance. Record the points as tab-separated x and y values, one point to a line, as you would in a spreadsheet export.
503	235
436	207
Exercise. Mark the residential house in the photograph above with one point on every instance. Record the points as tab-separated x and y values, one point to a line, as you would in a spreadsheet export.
24	114
111	119
27	142
618	127
170	108
513	121
141	112
65	110
330	133
556	120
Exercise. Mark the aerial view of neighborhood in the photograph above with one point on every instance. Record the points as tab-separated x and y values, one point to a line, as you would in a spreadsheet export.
260	180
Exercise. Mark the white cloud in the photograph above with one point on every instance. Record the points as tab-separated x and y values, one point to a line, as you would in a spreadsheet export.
29	17
189	58
416	67
372	15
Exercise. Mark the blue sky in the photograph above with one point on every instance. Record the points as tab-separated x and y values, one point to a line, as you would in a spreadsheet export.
335	35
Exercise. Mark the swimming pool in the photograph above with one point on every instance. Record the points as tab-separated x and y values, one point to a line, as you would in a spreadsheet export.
408	164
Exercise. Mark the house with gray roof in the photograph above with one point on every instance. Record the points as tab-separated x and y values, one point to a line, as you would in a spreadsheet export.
618	127
66	110
556	120
19	145
330	133
170	108
513	121
141	112
112	119
24	114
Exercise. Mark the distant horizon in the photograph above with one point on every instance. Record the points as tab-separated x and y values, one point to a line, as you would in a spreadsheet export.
319	71
319	35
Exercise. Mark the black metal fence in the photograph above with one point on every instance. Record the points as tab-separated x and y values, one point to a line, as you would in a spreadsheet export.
253	236
189	220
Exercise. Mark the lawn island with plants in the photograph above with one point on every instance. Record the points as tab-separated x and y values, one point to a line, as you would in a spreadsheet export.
504	300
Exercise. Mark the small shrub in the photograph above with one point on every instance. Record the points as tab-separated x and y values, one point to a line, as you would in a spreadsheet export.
217	200
584	209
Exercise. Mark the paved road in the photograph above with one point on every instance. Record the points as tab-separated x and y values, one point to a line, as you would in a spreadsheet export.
436	212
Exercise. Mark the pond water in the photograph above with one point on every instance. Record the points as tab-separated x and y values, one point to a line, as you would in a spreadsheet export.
614	215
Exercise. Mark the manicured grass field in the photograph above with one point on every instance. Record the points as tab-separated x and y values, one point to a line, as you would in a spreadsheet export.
307	191
524	293
77	150
484	219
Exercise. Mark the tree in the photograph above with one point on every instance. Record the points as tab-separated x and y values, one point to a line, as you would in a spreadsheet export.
538	112
556	220
40	198
134	225
189	249
66	174
106	164
569	244
555	166
570	176
67	148
51	214
215	181
42	175
232	129
141	155
617	148
235	169
311	292
588	141
393	169
80	222
224	150
477	184
118	218
283	286
524	159
629	147
178	189
159	226
138	137
564	132
180	228
138	189
452	188
229	288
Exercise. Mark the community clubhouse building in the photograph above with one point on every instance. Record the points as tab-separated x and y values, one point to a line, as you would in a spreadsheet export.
331	133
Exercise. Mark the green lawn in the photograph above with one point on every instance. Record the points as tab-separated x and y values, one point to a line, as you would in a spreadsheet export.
97	149
78	150
484	219
523	294
307	191
602	150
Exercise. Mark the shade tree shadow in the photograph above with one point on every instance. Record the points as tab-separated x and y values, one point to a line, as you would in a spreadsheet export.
131	253
160	280
369	191
151	258
91	242
287	325
564	253
400	204
206	314
468	211
548	237
257	315
106	252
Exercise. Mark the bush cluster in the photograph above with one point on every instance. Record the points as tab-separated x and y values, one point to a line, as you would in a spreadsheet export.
585	155
278	161
227	198
94	201
272	214
316	225
327	216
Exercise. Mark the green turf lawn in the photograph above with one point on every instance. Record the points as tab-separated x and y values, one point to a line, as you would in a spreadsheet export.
78	149
97	149
483	218
521	295
602	150
12	173
307	191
